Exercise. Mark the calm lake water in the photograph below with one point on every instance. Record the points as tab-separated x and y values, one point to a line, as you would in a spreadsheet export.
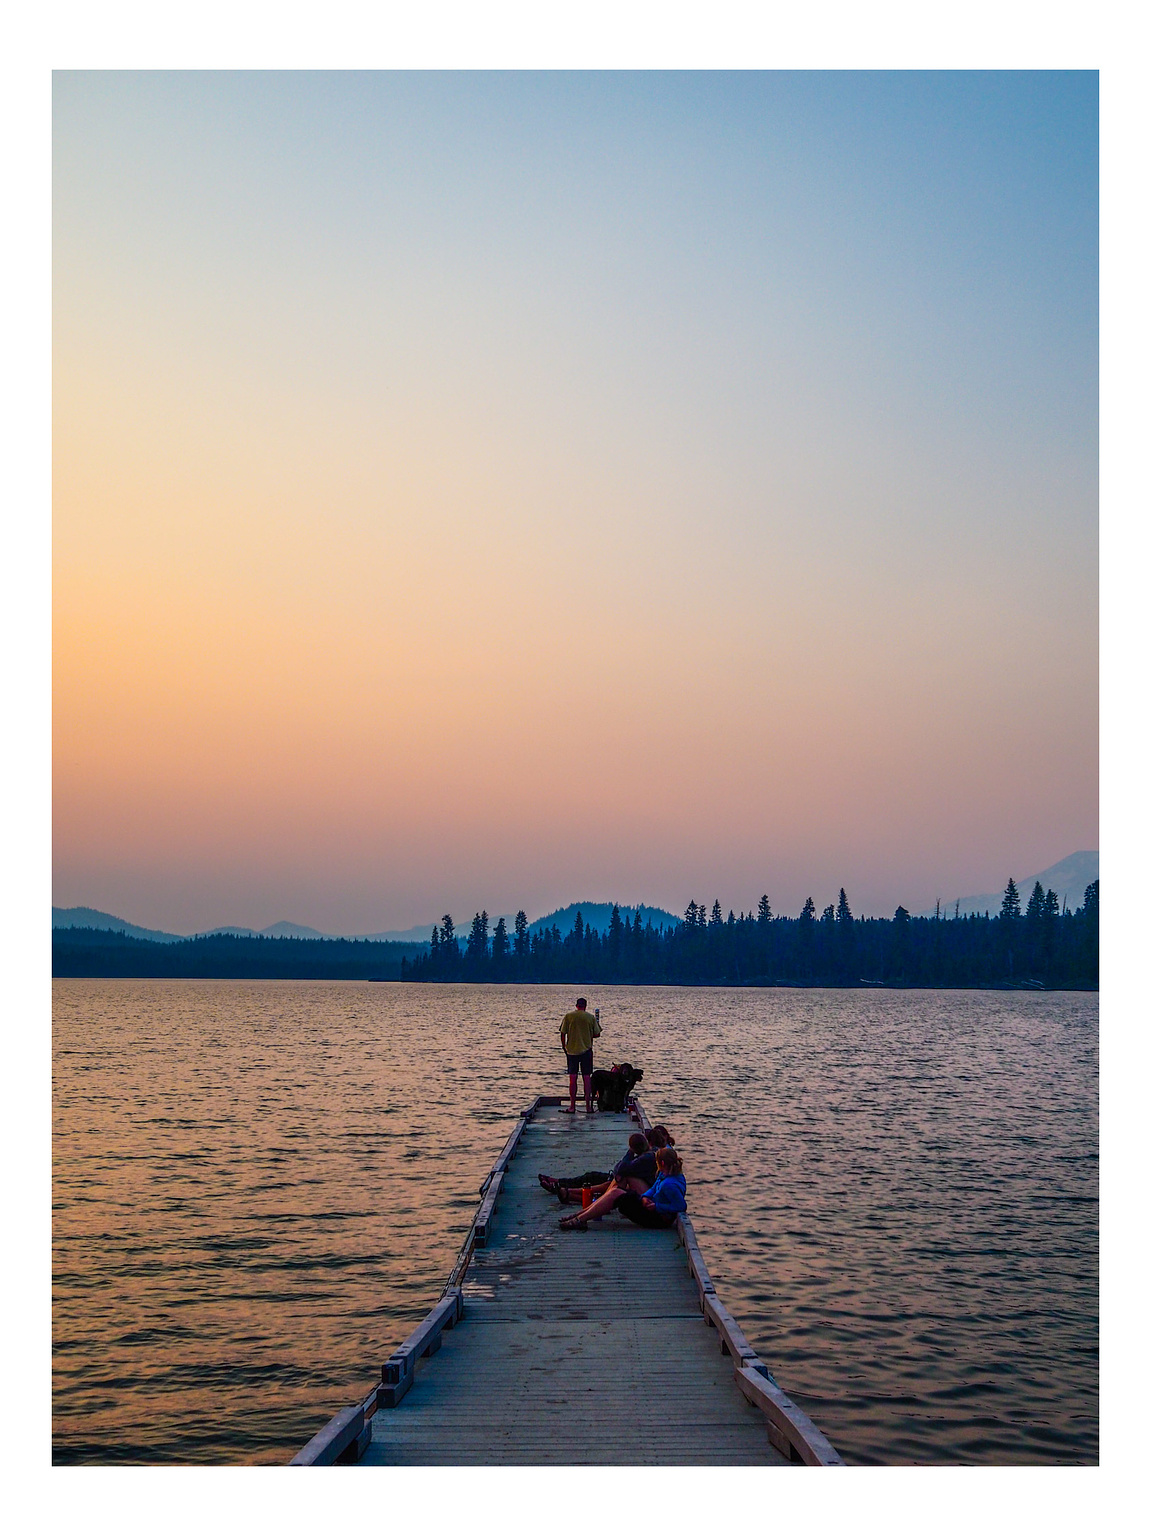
260	1186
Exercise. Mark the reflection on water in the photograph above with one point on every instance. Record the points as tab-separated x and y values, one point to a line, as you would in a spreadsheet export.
260	1186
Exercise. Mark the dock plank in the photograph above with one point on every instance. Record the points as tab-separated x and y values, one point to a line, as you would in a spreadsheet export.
574	1348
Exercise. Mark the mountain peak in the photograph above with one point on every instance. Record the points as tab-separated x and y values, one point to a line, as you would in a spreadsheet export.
1068	879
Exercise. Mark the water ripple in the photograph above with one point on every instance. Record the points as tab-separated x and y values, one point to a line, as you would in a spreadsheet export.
260	1186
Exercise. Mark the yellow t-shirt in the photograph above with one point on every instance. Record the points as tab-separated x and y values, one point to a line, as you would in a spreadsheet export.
577	1031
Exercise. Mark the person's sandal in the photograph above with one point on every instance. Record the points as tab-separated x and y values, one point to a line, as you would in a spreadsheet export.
550	1184
573	1224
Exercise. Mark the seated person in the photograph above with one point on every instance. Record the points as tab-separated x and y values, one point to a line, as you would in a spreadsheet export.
655	1207
666	1198
635	1170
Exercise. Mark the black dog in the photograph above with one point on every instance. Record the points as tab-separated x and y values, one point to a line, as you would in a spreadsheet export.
611	1090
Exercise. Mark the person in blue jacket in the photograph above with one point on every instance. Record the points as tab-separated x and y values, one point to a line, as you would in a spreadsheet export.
666	1198
656	1207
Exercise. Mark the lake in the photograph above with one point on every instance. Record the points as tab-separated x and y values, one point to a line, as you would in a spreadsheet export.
258	1188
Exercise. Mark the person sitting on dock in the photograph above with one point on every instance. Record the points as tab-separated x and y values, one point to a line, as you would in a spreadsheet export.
655	1207
577	1032
636	1170
666	1198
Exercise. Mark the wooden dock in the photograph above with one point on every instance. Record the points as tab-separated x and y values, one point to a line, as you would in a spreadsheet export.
602	1347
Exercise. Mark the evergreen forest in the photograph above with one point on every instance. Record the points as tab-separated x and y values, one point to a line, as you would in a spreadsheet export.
108	952
1040	945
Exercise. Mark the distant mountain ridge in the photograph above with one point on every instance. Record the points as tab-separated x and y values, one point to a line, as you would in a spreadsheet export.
596	914
90	917
1069	879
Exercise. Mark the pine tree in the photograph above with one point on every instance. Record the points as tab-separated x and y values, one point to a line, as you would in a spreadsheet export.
764	913
449	944
614	936
1088	918
716	915
500	941
636	949
1009	910
845	945
522	946
1049	923
478	938
900	943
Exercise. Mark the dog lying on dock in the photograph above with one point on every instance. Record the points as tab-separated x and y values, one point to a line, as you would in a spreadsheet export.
611	1090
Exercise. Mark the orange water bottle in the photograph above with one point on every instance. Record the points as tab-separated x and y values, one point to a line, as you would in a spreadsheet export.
585	1197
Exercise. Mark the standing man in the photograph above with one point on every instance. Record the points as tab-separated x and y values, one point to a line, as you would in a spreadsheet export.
577	1032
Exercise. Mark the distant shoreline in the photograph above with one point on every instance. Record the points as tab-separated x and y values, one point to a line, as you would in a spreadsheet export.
101	954
1042	948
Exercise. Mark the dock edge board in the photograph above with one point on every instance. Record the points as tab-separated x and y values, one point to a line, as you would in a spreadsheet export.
346	1437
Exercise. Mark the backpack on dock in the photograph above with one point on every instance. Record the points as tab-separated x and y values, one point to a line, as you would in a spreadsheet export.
611	1090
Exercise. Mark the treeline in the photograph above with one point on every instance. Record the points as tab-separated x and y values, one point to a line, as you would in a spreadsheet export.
1041	945
103	952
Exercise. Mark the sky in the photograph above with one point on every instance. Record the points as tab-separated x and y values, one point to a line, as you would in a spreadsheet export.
500	490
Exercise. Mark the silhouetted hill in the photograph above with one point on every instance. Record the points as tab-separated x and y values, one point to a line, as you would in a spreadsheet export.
597	914
88	917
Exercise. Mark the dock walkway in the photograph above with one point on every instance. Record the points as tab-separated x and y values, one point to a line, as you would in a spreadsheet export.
601	1347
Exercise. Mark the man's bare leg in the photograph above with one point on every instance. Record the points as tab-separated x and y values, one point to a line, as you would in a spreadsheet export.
586	1093
571	1089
